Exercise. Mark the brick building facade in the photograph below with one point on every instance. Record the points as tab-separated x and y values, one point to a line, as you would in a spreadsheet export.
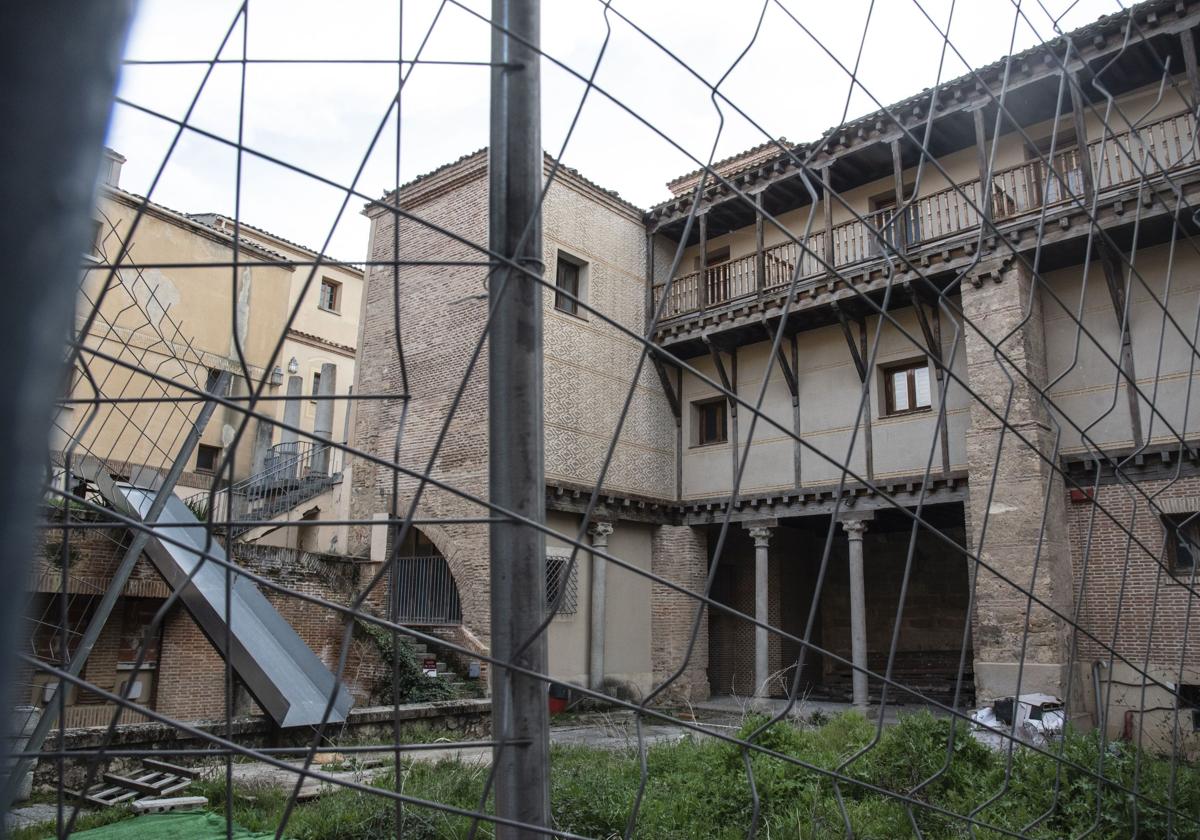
945	365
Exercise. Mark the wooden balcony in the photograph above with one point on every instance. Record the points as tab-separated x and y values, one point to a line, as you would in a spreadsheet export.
1117	161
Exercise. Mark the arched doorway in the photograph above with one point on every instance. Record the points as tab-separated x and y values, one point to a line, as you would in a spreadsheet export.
425	588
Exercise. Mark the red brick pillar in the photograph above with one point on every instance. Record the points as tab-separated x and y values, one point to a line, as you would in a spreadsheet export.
679	553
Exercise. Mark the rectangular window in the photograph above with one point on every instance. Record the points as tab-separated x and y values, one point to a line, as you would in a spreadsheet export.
1183	542
316	386
906	388
566	279
559	582
97	229
207	458
1189	699
210	382
330	295
710	421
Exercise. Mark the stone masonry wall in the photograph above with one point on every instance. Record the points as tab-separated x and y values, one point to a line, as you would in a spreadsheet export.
1018	522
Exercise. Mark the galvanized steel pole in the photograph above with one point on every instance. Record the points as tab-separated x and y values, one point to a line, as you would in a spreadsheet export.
518	556
59	62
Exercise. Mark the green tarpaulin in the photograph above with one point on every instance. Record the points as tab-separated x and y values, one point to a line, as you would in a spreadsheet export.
176	825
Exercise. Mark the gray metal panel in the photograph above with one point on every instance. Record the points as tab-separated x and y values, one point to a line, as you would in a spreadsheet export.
281	671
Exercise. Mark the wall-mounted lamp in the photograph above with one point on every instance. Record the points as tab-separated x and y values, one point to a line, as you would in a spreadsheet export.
277	376
293	365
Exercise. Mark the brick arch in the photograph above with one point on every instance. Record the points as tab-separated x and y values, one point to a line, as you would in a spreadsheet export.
462	560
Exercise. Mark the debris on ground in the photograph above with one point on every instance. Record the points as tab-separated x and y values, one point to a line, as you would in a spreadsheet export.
1035	719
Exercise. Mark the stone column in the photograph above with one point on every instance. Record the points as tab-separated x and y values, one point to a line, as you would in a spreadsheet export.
858	610
288	439
323	422
600	532
761	534
1021	530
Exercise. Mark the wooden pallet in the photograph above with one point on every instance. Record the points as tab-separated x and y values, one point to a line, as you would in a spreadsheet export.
157	779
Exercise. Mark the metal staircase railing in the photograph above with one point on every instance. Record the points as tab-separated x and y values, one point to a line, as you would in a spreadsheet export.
292	473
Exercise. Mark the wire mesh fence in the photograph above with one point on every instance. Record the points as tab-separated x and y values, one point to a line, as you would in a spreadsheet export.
850	491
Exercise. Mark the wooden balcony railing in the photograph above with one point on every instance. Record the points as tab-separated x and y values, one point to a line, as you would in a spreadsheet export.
1116	160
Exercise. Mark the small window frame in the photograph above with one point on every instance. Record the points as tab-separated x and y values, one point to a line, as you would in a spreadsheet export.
1187	526
1189	700
909	368
699	410
316	385
570	275
210	453
335	288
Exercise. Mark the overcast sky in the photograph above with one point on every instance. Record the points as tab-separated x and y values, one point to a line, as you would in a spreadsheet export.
321	118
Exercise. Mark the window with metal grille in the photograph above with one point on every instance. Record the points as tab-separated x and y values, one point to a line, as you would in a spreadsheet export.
906	388
330	295
561	578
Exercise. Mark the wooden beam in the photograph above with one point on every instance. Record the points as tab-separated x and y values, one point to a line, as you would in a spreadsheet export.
1189	62
702	279
859	361
679	440
827	203
943	418
733	413
760	260
868	437
789	376
932	329
722	373
674	398
985	172
649	278
901	236
796	448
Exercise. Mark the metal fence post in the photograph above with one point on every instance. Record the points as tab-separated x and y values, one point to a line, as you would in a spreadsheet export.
59	64
516	477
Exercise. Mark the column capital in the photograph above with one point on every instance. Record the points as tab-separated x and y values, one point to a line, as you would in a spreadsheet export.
600	531
761	534
854	528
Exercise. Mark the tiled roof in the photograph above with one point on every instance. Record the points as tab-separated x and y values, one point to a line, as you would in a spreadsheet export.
613	194
1106	24
210	219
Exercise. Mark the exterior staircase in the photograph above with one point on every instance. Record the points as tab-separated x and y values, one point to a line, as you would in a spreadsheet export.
444	672
292	474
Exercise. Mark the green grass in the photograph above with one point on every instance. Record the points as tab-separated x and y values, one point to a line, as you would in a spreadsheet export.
699	788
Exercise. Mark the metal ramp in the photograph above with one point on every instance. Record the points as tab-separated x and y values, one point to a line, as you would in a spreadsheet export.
280	670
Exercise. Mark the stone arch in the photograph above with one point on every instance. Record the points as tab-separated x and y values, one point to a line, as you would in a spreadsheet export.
463	553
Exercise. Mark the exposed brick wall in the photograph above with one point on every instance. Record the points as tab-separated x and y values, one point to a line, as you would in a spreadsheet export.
1126	598
680	555
589	365
191	675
